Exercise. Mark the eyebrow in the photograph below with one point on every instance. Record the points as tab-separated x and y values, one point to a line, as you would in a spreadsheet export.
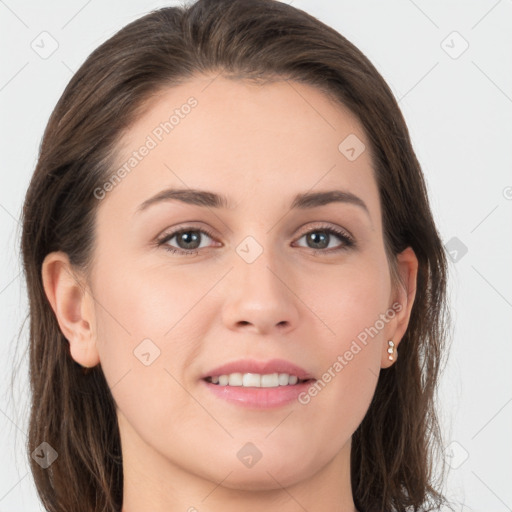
212	200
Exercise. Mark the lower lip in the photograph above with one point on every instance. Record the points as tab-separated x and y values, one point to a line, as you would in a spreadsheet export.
259	398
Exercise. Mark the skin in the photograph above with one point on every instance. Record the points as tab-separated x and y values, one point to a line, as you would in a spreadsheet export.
258	145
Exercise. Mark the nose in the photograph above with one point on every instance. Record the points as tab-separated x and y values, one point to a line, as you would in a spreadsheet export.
259	297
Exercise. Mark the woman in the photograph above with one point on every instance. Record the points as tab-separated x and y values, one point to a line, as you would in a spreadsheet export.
227	242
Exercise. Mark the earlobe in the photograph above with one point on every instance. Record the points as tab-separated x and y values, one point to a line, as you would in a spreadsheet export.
70	303
404	296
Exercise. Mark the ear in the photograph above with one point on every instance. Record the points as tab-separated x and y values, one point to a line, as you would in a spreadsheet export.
402	300
73	307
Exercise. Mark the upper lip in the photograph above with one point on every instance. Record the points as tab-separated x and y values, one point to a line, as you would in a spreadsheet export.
261	367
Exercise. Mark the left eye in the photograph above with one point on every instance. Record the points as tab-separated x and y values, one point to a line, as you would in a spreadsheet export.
323	236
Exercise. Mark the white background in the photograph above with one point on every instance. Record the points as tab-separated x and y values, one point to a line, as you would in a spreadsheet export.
459	112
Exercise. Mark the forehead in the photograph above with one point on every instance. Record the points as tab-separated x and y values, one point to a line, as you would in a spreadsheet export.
240	138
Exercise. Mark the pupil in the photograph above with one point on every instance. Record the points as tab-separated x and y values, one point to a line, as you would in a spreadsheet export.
316	239
189	239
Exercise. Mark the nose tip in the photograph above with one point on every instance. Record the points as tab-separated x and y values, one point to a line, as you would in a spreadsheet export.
261	301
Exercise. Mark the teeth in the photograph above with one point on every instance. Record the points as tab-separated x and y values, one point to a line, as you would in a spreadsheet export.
283	379
252	380
235	379
270	381
255	380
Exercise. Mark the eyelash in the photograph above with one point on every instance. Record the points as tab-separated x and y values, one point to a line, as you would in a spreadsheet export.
347	240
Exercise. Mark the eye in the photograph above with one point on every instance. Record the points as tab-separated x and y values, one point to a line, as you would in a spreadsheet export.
188	240
320	239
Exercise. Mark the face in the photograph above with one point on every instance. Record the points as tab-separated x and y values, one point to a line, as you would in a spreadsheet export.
268	282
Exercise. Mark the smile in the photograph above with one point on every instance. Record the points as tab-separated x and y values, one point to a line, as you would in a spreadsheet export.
255	380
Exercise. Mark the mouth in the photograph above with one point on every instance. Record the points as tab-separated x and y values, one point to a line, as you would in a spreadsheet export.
256	380
258	384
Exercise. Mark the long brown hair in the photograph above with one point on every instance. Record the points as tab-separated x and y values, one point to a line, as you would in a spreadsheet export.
394	449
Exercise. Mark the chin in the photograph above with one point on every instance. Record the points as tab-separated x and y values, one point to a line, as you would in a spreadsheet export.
273	473
247	480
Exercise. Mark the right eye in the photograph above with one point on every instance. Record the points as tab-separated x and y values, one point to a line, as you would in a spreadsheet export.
188	237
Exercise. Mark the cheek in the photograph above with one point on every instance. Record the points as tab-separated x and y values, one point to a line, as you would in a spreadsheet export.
145	332
148	302
146	341
354	309
350	300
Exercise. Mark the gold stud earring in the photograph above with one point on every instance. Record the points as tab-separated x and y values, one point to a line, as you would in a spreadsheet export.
391	349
